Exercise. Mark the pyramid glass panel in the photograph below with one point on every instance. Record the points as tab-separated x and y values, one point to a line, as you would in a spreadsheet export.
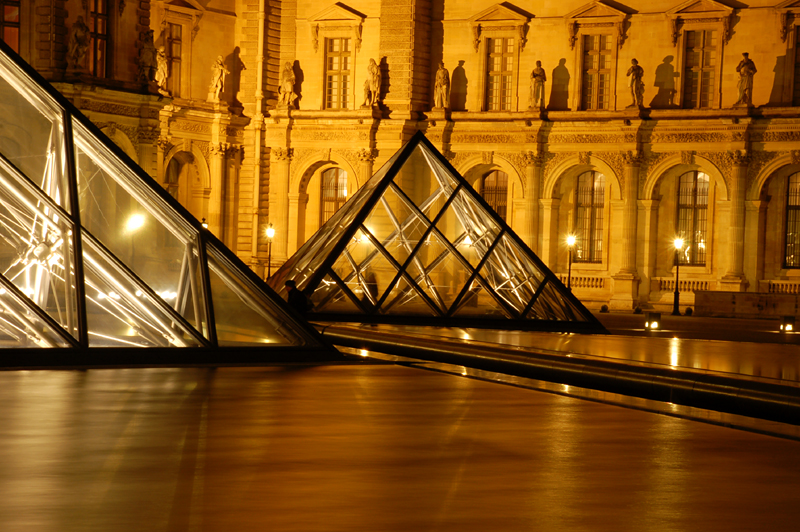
405	300
32	132
94	253
330	297
242	313
123	313
425	219
551	305
22	326
36	248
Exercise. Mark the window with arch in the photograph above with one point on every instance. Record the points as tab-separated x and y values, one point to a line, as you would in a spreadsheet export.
791	257
334	192
172	177
494	189
9	23
98	28
692	218
590	192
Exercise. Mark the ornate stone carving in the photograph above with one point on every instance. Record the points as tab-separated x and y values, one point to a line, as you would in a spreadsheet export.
190	127
282	154
631	158
487	157
689	137
779	136
146	134
476	37
203	146
366	155
589	138
572	30
616	160
351	156
344	135
722	160
584	157
687	157
461	157
533	158
652	160
218	148
487	138
518	160
553	160
315	36
759	159
795	156
740	157
164	144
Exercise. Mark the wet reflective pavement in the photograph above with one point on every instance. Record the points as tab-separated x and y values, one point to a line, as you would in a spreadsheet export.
373	447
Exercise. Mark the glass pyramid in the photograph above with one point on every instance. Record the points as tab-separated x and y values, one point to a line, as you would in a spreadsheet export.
94	253
416	244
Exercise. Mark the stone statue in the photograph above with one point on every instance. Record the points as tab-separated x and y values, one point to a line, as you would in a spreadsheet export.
286	94
217	79
538	77
636	73
77	45
372	85
441	91
162	71
746	70
147	58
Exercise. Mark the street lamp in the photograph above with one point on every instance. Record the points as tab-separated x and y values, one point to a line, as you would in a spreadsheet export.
570	244
676	311
270	234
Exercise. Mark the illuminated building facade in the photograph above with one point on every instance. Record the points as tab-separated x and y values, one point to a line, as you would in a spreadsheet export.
693	139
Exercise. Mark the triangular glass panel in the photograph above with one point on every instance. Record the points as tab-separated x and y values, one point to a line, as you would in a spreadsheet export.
134	271
404	300
22	324
478	303
243	314
123	313
415	190
551	305
330	297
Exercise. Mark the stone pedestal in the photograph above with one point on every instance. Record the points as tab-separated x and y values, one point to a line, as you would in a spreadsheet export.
626	292
732	283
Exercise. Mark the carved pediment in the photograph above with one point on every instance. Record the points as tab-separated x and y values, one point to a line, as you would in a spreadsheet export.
700	7
595	9
191	5
337	18
788	4
338	12
787	11
701	11
595	13
501	17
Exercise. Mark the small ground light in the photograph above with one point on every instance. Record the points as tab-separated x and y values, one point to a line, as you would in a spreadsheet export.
652	321
787	324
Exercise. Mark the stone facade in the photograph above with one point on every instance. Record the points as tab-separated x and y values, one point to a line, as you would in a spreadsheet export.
243	162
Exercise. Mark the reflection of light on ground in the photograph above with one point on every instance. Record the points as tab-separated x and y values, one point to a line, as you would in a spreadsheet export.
673	352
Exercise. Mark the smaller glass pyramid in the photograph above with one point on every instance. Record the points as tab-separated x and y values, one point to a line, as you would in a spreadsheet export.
94	253
416	244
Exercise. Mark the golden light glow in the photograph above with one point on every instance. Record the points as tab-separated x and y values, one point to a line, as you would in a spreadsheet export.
468	241
135	222
678	242
571	240
270	231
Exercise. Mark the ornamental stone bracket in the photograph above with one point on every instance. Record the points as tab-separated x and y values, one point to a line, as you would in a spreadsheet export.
787	11
338	20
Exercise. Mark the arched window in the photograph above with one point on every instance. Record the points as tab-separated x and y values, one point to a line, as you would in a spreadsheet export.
9	23
494	189
693	216
589	206
791	258
334	192
172	177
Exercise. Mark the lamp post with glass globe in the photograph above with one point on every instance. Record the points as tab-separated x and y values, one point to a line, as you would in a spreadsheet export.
676	311
570	243
270	234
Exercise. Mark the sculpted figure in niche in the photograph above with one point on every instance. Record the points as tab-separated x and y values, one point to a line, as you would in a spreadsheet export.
441	91
538	77
746	70
147	58
636	75
286	94
77	45
162	71
372	85
217	79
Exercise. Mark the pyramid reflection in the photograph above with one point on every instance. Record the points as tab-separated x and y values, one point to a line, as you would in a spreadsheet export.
94	253
416	244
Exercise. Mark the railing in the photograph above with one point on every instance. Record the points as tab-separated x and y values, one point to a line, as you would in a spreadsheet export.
667	284
783	287
584	281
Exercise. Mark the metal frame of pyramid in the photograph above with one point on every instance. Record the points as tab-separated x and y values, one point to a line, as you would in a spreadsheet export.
95	253
418	245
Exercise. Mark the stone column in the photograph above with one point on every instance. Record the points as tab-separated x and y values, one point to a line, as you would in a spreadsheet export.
279	203
533	182
366	158
217	178
549	254
650	209
754	241
734	280
296	224
626	281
